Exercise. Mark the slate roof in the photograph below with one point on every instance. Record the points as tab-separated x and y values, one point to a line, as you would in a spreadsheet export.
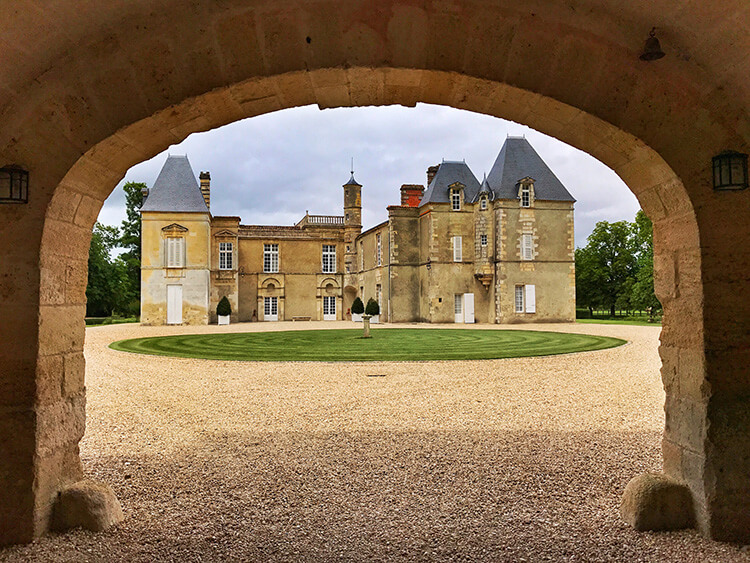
485	189
448	173
353	182
518	160
175	189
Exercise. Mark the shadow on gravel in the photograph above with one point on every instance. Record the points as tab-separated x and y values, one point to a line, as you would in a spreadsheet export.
437	496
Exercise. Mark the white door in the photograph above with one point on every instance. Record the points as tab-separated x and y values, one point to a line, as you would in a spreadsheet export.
270	308
329	308
458	307
530	298
174	304
468	307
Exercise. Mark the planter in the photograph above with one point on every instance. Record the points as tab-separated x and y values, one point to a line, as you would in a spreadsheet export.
356	318
375	319
223	319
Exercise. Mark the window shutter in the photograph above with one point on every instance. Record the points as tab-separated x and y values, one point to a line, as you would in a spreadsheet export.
527	247
457	255
530	298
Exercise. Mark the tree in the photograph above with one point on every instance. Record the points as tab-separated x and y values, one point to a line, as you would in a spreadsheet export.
224	308
608	264
372	308
130	241
358	307
107	276
643	295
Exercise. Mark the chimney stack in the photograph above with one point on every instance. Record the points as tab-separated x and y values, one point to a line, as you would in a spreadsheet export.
411	195
431	171
205	178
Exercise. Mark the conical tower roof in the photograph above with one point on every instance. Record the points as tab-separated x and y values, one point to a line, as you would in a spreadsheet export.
176	189
352	182
518	160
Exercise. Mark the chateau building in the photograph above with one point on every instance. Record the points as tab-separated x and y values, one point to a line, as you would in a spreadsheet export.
499	251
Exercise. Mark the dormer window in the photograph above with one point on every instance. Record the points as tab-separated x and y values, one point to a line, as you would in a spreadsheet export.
526	192
525	195
456	199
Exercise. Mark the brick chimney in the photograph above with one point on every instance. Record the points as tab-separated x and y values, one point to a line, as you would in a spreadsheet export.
431	171
411	195
205	178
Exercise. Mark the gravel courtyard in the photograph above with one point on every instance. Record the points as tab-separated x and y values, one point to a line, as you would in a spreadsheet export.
495	460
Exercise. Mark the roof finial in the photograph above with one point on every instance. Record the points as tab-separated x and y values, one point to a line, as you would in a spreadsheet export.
352	166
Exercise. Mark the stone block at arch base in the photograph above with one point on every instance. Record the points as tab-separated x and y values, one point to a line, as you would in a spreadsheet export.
654	502
86	504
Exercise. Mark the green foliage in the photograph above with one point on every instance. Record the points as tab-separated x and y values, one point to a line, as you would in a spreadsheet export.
372	307
114	283
615	268
106	289
397	344
358	307
224	309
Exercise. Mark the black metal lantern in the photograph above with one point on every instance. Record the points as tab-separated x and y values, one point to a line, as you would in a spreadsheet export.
730	171
14	185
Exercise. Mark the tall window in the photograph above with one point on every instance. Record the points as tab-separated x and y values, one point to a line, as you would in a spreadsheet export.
525	299
226	255
457	253
379	296
525	195
527	247
455	199
379	250
361	256
270	258
483	240
329	258
175	252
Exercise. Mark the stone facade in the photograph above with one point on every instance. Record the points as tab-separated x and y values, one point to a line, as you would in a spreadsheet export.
438	258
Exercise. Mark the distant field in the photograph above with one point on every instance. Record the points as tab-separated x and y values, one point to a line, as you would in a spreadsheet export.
347	345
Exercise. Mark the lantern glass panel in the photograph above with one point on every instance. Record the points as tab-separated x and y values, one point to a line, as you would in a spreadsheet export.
4	184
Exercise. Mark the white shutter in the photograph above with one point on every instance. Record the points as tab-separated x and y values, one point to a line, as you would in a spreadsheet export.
468	307
530	298
457	254
527	247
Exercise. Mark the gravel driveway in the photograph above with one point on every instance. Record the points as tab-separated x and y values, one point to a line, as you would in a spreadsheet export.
495	460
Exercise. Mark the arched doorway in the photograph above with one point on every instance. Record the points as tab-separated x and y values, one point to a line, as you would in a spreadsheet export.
76	129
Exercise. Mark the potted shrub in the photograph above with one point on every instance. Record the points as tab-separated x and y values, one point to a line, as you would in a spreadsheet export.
357	309
223	311
373	309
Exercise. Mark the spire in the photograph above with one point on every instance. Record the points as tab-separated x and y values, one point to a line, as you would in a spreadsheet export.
352	181
485	187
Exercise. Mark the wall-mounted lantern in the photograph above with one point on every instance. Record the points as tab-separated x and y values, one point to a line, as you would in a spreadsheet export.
14	184
730	171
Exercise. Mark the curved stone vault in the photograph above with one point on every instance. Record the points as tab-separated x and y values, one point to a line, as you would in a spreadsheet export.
86	92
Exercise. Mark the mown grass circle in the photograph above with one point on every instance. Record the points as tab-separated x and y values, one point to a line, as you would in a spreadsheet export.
347	345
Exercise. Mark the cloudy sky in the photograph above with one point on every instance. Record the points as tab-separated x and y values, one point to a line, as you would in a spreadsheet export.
272	168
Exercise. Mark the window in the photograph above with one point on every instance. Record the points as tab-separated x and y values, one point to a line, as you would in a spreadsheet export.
457	255
483	240
527	247
175	252
225	255
483	203
525	195
348	269
329	258
379	295
525	299
458	305
361	256
270	258
379	250
455	199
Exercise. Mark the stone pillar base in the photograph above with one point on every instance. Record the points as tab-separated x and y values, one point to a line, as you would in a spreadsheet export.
86	504
653	501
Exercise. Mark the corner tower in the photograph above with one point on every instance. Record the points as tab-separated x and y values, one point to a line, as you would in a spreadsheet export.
352	222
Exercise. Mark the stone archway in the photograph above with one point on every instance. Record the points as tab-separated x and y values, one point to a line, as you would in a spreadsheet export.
77	113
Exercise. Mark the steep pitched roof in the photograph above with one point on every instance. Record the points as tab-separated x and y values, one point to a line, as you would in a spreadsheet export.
448	173
175	189
518	160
